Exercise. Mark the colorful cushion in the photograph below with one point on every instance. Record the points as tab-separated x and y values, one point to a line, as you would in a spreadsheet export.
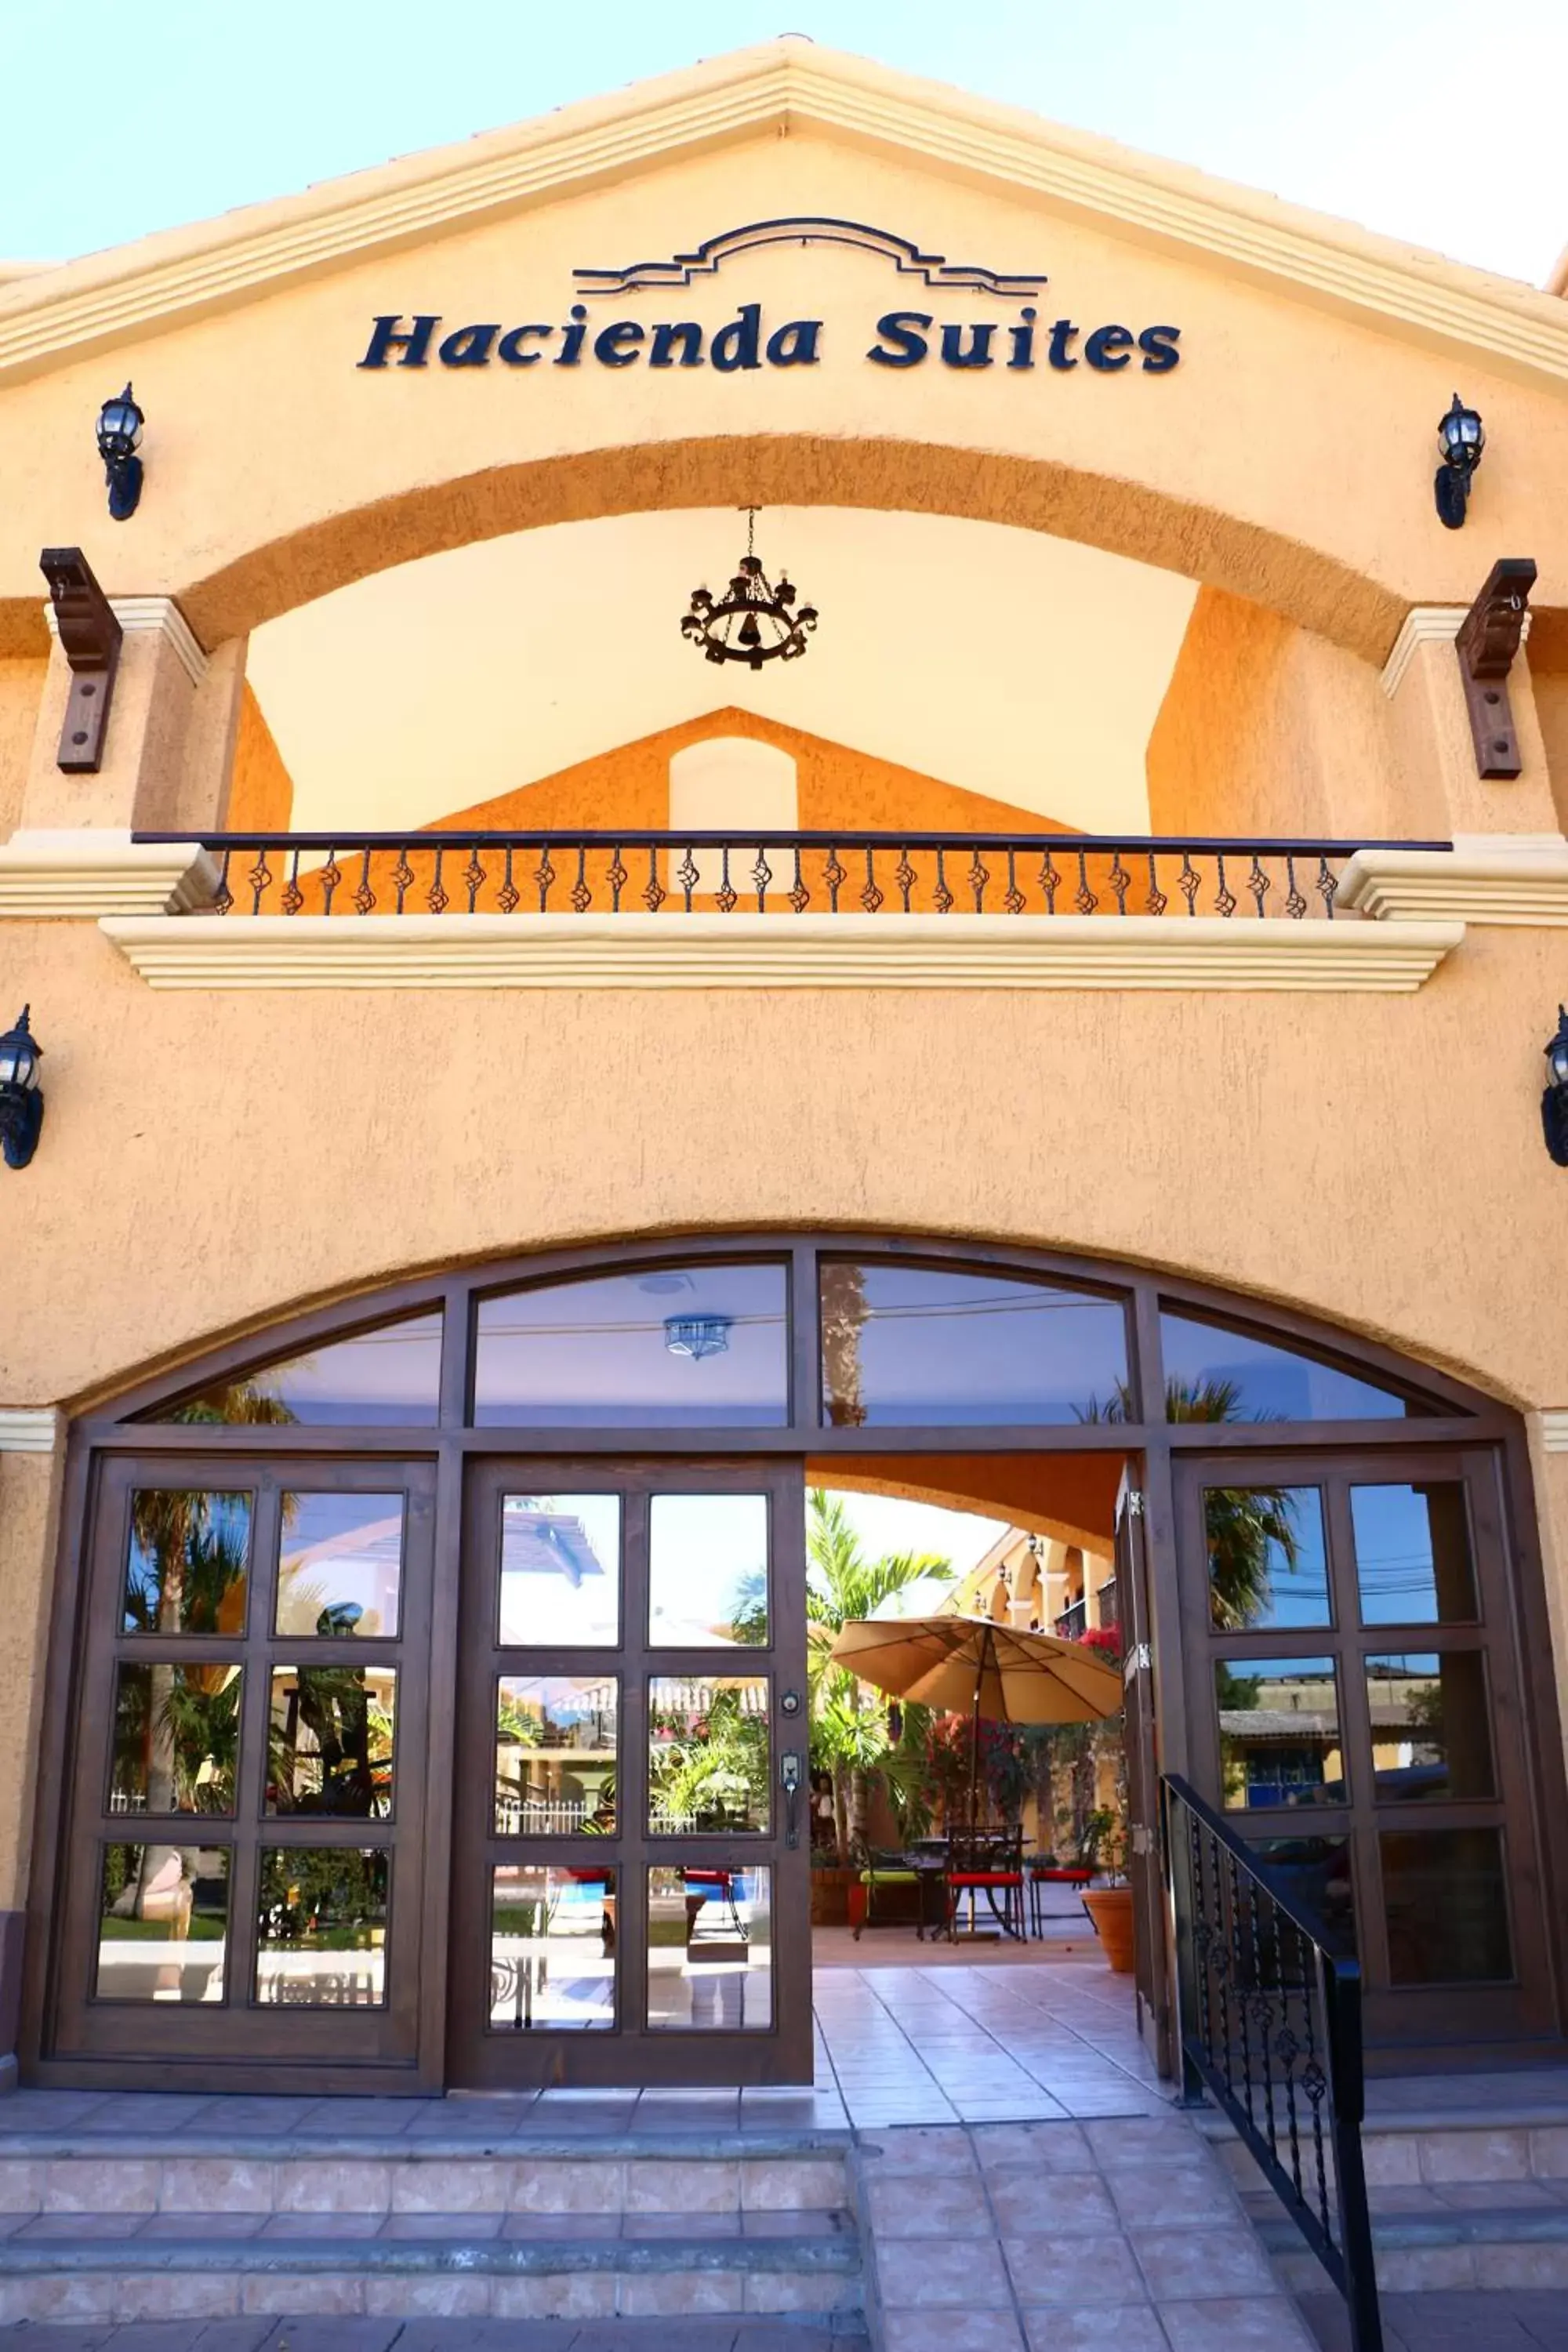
889	1878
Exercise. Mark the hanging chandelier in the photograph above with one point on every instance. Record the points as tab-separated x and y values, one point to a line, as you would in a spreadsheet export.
754	623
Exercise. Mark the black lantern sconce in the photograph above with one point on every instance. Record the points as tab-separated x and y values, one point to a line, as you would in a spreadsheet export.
1462	438
120	424
21	1103
1554	1102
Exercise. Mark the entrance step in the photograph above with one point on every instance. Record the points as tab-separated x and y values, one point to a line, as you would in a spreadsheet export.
148	2232
1471	2199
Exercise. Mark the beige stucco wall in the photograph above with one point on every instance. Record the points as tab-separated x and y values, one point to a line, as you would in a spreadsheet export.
29	1501
1289	456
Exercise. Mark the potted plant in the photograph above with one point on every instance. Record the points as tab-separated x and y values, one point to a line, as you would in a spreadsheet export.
1110	1902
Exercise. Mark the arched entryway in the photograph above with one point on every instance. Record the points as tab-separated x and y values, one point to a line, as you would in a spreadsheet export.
378	1642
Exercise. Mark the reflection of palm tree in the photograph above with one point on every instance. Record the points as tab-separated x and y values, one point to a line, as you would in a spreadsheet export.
848	1739
1247	1528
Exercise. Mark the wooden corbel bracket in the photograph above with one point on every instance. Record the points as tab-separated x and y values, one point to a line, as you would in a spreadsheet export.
90	638
1489	638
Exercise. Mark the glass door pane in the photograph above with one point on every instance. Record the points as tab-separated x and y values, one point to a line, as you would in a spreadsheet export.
630	1897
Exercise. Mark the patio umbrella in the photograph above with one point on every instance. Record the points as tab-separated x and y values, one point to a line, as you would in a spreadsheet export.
956	1664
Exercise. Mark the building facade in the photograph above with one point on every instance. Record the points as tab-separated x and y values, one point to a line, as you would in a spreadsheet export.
520	1098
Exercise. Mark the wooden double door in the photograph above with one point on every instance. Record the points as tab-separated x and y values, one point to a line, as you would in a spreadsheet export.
630	1891
1359	1704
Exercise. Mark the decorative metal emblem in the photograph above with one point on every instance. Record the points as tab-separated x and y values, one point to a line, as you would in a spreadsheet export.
755	622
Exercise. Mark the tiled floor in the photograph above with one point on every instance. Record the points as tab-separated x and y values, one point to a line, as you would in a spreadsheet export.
1524	2321
339	2335
1036	2041
976	2041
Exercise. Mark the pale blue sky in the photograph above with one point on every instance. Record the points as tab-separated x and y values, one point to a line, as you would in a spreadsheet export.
1439	121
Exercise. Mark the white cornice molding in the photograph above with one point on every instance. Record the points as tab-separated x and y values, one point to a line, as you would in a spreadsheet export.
1427	624
83	870
157	616
1424	625
1553	1429
159	281
934	951
1503	882
29	1429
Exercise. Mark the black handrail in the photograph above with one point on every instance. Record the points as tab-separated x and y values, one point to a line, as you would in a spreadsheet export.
597	873
672	836
1271	2026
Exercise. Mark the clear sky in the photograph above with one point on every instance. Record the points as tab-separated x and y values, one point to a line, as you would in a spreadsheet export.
1439	121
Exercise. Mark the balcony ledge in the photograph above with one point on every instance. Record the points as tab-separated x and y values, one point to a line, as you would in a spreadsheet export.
96	870
931	951
1517	878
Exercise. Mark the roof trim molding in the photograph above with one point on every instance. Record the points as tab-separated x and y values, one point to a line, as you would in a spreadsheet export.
162	281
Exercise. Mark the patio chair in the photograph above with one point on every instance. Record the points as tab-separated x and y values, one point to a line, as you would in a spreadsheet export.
883	1872
989	1863
1042	1873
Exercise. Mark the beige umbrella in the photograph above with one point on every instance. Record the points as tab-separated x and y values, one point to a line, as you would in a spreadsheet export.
959	1664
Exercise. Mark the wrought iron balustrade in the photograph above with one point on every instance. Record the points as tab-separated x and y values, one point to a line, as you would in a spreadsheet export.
1271	2026
1073	1622
517	874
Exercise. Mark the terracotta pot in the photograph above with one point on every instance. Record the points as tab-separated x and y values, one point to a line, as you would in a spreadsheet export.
1111	1908
830	1895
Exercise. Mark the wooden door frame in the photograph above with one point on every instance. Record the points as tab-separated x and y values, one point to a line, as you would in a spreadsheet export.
1443	1411
632	2051
1477	2017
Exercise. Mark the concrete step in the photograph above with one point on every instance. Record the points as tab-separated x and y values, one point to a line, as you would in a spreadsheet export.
1474	2200
130	2233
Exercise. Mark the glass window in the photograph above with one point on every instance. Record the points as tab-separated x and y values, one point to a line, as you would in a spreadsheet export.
330	1749
340	1565
1315	1873
555	1755
923	1345
560	1571
1414	1563
708	1754
660	1349
187	1564
1446	1903
707	1571
710	1950
162	1923
1279	1731
1431	1729
176	1738
322	1927
553	1948
1214	1374
1268	1564
389	1378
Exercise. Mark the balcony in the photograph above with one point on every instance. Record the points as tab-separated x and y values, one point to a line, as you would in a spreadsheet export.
1073	1622
778	909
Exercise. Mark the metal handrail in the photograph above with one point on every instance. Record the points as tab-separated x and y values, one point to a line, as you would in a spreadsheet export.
1270	2013
451	871
673	837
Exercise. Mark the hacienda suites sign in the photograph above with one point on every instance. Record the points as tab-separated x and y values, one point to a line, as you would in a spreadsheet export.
901	338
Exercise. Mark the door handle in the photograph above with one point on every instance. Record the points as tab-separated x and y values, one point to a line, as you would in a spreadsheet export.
789	1780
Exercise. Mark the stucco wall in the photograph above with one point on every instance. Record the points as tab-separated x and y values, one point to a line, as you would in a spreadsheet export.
1268	729
21	690
839	785
1237	468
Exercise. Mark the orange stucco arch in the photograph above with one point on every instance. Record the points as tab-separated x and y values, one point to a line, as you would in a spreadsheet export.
1304	585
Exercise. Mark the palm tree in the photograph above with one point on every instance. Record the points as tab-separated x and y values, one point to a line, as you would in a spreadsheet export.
1249	1529
849	1736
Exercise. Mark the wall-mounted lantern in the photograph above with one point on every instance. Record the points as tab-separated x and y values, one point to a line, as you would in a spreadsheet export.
1554	1102
21	1102
1462	438
697	1336
120	424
